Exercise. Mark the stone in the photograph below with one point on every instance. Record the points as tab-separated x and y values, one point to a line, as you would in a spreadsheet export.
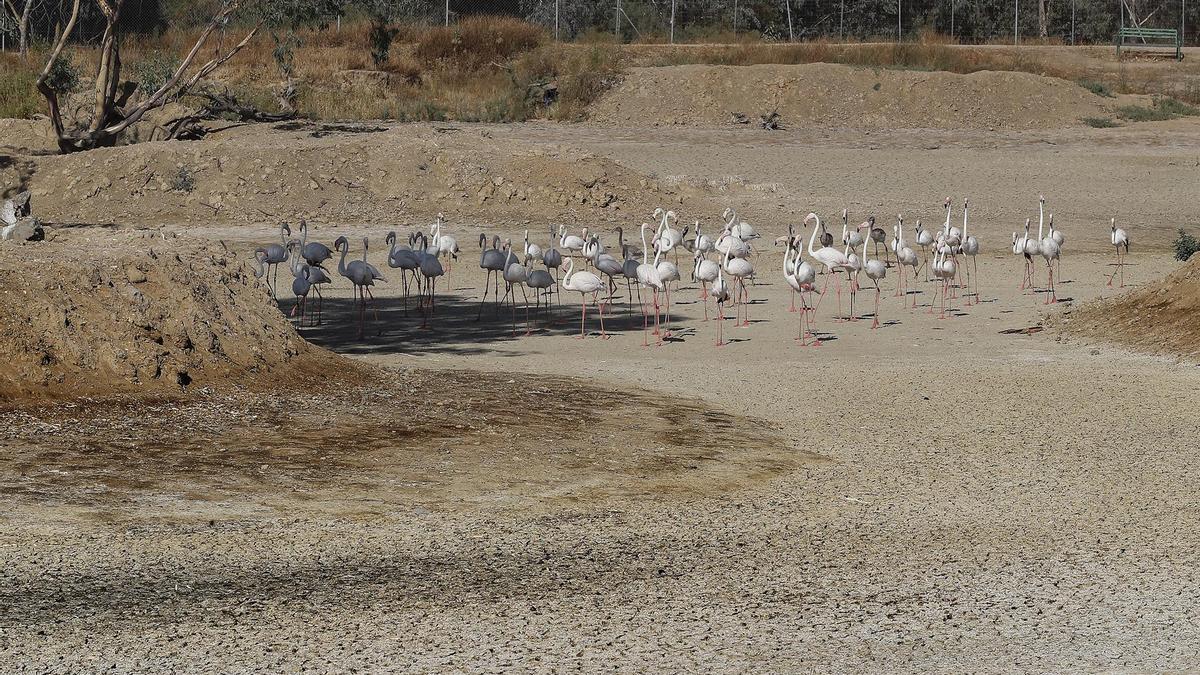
25	229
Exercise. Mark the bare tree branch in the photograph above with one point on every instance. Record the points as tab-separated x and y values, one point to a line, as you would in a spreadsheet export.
48	91
156	99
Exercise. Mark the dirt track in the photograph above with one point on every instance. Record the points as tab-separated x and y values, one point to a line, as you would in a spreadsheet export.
978	500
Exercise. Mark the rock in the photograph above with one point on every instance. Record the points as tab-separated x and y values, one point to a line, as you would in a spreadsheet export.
25	229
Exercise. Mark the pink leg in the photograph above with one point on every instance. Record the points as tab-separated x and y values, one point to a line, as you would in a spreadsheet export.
582	314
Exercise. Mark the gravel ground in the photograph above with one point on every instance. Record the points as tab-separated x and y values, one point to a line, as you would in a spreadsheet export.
938	495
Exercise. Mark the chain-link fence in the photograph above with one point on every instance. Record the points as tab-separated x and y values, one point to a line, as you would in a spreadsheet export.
679	21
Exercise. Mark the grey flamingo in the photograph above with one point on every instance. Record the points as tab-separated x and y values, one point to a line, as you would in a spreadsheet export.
404	259
363	275
273	255
314	253
492	260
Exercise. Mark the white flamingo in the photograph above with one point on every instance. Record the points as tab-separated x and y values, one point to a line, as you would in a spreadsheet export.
834	260
1119	239
740	269
647	276
802	278
584	282
875	270
905	257
720	293
1050	252
706	272
970	248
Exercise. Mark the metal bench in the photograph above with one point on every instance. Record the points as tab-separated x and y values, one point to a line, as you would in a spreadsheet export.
1168	36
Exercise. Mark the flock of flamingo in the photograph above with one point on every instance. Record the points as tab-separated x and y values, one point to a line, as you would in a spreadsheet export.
721	264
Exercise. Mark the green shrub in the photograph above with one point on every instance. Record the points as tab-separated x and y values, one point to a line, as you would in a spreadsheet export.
153	71
1100	122
1185	246
183	180
1163	108
1097	88
63	76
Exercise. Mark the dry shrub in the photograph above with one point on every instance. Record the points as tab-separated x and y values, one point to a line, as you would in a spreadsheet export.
584	78
476	43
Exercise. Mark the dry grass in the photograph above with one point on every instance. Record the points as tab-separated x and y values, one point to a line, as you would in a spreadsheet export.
488	68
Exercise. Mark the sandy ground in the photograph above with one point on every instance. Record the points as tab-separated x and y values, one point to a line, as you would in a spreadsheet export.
941	495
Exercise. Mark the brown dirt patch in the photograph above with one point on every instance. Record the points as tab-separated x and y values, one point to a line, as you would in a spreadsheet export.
381	174
1162	317
843	96
100	312
445	440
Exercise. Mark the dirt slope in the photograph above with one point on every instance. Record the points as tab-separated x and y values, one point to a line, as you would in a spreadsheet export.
129	311
843	96
1162	317
340	174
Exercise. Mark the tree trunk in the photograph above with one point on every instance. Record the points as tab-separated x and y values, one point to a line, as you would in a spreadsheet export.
1042	18
23	30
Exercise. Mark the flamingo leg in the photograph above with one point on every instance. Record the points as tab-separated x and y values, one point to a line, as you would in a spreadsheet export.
583	314
603	334
374	308
720	324
657	331
875	323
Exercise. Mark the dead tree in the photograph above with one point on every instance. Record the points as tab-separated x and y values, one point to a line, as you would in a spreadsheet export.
111	111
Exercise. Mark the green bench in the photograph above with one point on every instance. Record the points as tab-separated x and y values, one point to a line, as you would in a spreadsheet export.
1168	36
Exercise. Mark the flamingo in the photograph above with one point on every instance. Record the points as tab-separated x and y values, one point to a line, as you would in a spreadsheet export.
668	237
720	293
647	275
879	237
702	243
629	269
668	272
403	259
924	240
515	274
606	265
314	253
540	280
570	242
1029	247
318	277
833	259
363	275
553	260
445	244
1059	239
876	270
532	251
430	268
1119	238
740	269
705	271
300	288
801	277
1050	252
493	260
585	282
970	248
273	255
905	257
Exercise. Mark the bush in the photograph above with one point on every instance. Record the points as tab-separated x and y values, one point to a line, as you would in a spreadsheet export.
477	43
1185	246
1097	88
585	79
63	76
1100	122
1164	108
183	180
153	71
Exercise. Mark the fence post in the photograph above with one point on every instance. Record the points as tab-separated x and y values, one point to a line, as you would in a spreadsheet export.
899	18
735	2
672	21
1016	14
447	12
788	4
1072	23
556	20
842	21
617	23
952	19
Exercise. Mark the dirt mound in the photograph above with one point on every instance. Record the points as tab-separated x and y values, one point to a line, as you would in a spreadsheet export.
1162	317
340	174
832	95
108	312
